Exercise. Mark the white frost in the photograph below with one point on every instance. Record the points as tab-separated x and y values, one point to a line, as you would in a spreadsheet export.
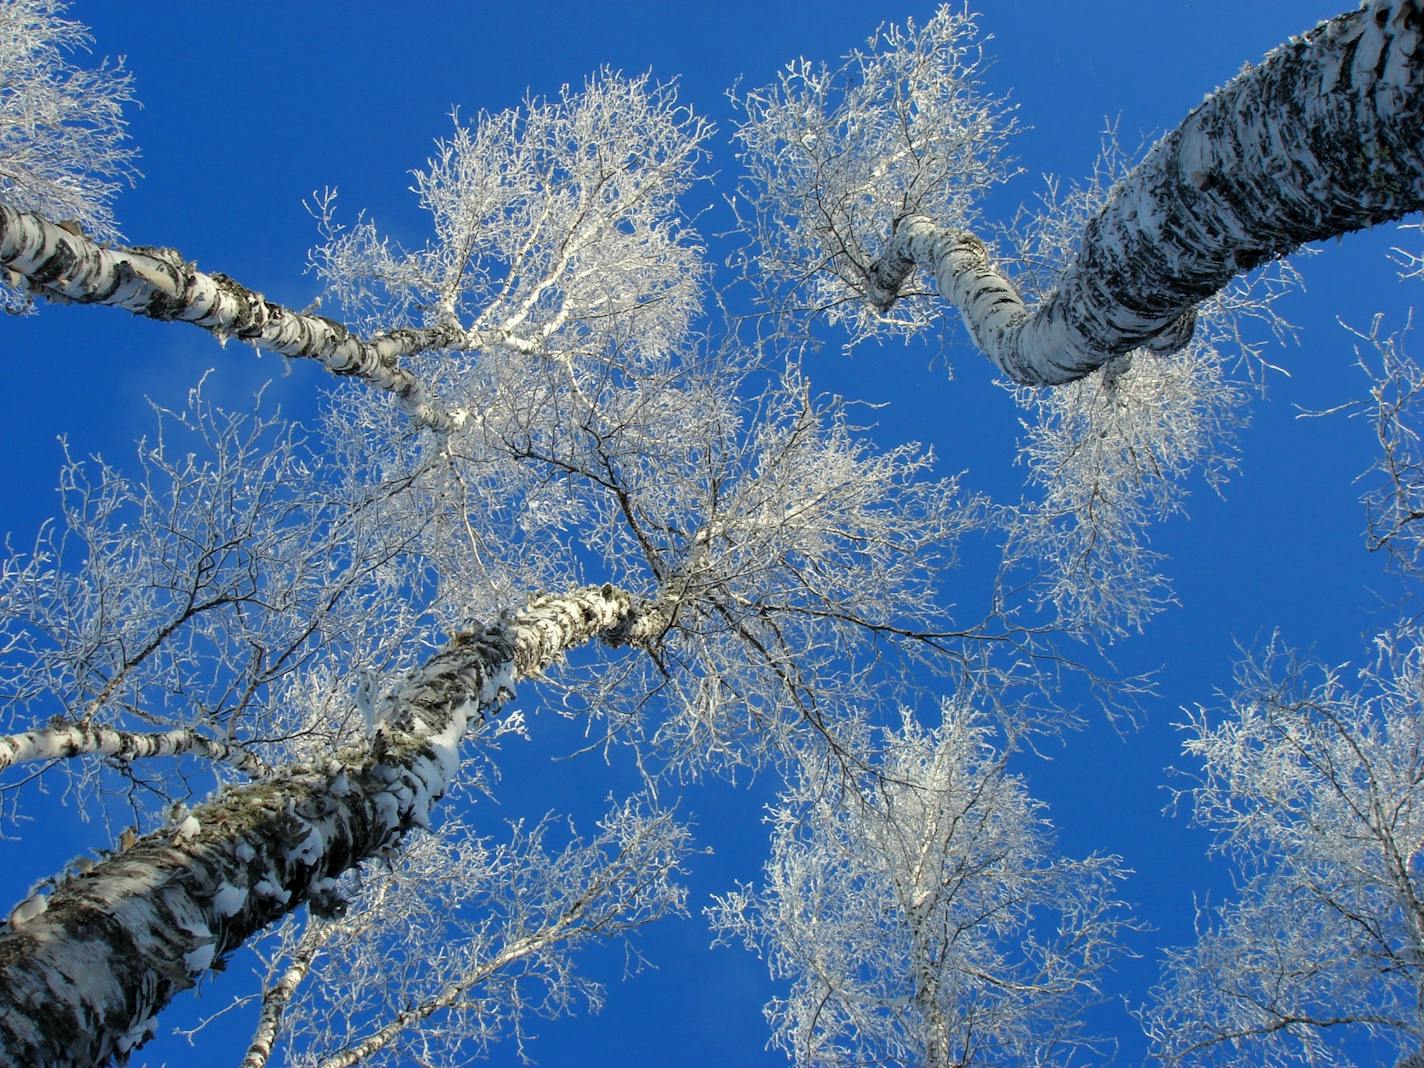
310	848
200	959
229	899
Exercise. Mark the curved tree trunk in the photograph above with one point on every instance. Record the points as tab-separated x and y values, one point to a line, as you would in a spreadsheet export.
84	972
1325	137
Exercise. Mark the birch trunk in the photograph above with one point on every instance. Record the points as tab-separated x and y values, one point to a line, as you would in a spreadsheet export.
1323	138
65	740
278	996
159	284
83	973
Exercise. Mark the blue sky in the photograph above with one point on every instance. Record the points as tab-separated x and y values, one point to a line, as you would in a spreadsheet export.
245	115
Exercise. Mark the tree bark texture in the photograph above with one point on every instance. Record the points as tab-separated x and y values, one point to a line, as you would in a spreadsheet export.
84	972
1324	137
159	283
64	740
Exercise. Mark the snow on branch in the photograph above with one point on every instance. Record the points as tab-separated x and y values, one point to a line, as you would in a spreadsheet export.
215	599
1311	780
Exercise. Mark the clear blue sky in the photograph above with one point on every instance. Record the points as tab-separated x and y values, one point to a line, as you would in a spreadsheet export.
248	108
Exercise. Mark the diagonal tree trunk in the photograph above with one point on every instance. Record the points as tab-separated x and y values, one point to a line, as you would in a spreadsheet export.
276	997
159	283
1323	138
84	972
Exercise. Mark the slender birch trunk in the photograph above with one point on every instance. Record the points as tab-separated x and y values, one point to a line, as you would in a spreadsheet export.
84	972
159	283
65	740
278	996
1323	138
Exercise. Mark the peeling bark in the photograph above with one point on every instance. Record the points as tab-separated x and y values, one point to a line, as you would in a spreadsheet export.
1321	139
158	283
83	976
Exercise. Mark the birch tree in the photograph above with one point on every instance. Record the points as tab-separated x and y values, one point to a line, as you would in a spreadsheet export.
1316	140
174	901
906	911
549	221
1311	781
1129	292
736	570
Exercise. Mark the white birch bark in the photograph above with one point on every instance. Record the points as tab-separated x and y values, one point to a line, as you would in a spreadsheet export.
278	995
64	740
1321	139
83	973
159	283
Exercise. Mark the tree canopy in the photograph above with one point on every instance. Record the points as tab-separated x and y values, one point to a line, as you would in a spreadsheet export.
540	536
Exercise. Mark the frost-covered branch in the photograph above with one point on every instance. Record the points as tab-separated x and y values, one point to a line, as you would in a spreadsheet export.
556	232
1109	455
1394	501
794	550
178	607
905	910
1315	785
63	148
834	156
465	937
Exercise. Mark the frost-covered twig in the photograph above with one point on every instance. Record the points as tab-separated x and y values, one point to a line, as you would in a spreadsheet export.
1314	785
64	150
500	924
